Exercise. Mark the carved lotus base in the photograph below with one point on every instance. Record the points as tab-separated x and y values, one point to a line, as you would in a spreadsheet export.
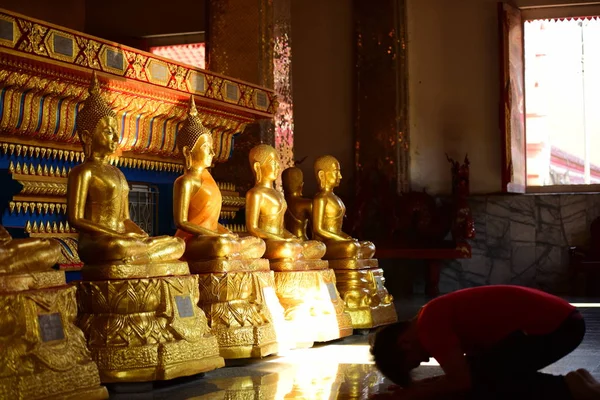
367	300
27	281
235	265
266	299
146	329
240	321
353	263
297	265
312	305
43	353
133	271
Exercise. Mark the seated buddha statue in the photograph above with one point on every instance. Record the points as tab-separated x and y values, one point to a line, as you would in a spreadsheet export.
137	301
265	210
25	256
360	281
299	210
304	284
98	197
197	201
227	265
329	212
40	343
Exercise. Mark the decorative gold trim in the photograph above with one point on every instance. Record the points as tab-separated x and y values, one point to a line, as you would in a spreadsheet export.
16	34
193	87
226	186
234	201
63	153
150	122
258	92
236	228
92	52
49	228
104	50
34	148
151	66
225	92
50	41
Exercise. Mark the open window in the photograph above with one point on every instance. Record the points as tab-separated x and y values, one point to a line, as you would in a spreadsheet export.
550	96
186	48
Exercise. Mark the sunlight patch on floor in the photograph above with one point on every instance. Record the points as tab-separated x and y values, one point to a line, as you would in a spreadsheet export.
586	305
341	354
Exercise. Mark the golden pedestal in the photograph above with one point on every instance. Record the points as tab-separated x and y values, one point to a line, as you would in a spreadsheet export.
43	354
228	295
145	328
362	286
266	298
311	301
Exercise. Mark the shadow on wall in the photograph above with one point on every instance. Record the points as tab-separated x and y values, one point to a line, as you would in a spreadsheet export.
523	240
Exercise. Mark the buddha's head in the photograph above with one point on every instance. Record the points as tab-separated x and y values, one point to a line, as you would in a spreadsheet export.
96	123
195	141
327	171
264	163
293	181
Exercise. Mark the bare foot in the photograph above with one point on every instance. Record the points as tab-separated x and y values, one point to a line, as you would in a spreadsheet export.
588	376
581	388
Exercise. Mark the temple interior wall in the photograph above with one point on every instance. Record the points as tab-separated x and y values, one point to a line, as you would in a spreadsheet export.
322	53
453	108
51	11
120	20
520	240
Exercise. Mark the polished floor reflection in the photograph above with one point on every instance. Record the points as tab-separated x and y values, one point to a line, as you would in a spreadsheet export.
338	370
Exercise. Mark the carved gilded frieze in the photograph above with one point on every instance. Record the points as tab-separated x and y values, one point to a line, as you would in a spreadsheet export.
58	45
44	77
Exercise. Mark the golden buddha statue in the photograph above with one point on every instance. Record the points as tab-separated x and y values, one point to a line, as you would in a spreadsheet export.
98	198
225	262
137	300
265	210
359	278
299	211
43	352
304	284
328	215
26	256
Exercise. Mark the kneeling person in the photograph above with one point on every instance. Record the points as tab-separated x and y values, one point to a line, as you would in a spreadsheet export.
491	341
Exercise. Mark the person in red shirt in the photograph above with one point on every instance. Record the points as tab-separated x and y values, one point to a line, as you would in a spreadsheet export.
491	341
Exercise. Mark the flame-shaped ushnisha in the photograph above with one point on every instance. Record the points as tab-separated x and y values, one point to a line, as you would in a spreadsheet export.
94	109
192	128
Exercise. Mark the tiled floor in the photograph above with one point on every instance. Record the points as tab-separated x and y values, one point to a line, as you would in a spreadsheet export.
338	370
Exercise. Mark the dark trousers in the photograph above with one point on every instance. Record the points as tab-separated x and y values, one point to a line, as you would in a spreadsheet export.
509	370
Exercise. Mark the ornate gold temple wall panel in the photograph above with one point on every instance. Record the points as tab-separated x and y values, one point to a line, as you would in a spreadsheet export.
44	75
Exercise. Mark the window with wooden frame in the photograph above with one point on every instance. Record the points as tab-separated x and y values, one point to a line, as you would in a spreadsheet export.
550	108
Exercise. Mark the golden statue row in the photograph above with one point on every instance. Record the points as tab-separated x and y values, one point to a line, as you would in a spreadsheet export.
162	307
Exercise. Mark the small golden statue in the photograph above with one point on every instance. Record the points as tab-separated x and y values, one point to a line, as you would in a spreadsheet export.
138	303
360	280
299	210
304	284
227	264
43	352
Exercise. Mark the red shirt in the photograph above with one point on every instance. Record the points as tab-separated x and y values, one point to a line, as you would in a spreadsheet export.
475	319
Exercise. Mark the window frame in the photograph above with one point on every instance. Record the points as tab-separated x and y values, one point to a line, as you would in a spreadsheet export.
527	14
